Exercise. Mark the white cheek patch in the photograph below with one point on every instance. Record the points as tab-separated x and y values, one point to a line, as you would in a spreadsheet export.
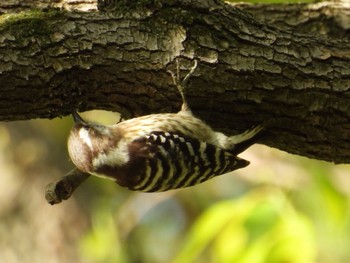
84	135
115	157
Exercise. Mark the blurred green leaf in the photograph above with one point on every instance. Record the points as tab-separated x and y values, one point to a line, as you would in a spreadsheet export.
205	229
101	244
262	226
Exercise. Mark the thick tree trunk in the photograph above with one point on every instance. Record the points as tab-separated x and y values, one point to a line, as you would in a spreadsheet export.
286	67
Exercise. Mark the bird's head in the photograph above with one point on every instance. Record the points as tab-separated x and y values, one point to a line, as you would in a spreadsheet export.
86	142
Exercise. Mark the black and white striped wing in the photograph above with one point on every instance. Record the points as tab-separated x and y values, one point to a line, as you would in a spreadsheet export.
172	161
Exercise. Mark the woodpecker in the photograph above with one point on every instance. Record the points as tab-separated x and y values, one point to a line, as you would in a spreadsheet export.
158	152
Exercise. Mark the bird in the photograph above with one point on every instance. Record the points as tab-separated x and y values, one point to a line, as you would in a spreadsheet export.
158	152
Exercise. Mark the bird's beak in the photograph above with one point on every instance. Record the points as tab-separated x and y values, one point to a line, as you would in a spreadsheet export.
77	118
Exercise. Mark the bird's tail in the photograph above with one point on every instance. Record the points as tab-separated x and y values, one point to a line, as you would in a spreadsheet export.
246	139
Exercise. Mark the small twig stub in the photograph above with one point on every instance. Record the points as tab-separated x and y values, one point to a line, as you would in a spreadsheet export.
61	190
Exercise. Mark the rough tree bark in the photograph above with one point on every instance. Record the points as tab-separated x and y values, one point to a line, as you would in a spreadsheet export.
284	66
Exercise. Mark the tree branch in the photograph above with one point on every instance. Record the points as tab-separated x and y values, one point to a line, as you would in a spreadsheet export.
61	190
296	83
